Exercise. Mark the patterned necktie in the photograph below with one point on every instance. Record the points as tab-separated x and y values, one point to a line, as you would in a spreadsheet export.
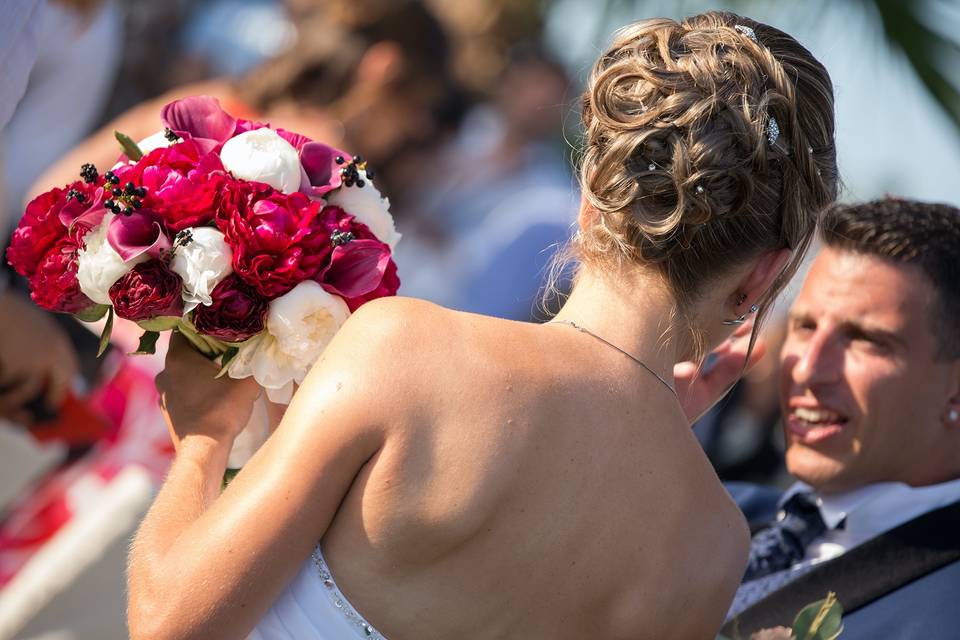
782	544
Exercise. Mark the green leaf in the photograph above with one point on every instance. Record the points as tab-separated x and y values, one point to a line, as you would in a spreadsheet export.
105	335
92	314
819	621
160	323
148	344
228	476
130	148
226	359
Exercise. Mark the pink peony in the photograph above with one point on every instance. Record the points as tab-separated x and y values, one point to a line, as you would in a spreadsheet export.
182	182
277	239
42	225
54	284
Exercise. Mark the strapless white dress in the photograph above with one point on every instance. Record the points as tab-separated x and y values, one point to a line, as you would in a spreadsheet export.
313	608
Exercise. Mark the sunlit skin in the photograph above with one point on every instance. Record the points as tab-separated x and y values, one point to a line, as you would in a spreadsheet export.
865	395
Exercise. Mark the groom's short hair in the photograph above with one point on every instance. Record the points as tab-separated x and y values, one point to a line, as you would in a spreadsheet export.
908	232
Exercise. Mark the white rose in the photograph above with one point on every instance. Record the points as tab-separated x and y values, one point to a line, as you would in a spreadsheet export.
202	263
300	325
154	141
263	156
99	266
369	207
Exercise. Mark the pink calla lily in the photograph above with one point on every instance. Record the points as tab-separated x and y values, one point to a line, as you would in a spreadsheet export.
138	233
359	271
323	172
199	118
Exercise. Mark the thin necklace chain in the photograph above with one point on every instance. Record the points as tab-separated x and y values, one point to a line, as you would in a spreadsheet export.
629	355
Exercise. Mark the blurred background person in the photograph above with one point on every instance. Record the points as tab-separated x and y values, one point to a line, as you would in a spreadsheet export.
482	230
63	99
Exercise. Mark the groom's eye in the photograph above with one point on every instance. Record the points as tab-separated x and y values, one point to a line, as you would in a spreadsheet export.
802	326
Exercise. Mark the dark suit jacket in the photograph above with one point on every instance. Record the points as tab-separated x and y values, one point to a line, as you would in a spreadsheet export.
903	585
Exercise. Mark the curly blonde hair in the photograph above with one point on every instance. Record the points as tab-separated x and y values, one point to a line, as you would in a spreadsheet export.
680	162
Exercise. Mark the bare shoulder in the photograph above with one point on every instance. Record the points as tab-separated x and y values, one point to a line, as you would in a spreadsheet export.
380	350
391	330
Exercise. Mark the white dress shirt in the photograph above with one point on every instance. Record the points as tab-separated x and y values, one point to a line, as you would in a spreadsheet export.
868	512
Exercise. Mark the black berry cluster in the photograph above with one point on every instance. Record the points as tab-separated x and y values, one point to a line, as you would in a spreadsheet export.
338	237
350	172
125	200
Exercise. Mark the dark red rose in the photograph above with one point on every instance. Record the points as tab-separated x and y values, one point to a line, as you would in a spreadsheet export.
237	311
54	284
183	184
361	267
149	290
42	226
277	239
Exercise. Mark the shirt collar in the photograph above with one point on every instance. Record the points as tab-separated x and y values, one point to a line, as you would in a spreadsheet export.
878	507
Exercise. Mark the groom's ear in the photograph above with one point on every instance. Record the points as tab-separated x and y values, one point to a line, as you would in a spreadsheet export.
759	279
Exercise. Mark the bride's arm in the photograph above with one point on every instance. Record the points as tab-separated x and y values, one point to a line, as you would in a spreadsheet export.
206	565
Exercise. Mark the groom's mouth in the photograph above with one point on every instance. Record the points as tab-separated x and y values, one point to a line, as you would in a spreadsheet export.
813	425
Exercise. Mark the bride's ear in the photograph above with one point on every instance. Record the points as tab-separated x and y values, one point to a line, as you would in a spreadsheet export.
588	215
758	280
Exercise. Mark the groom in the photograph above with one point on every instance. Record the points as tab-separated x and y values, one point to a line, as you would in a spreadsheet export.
870	393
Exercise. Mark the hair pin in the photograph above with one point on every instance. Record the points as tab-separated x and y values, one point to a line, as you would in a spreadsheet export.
747	31
773	130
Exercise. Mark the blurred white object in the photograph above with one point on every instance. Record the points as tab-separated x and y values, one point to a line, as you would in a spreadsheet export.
23	460
73	588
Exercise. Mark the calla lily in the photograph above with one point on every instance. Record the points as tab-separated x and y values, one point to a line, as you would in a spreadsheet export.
358	270
136	234
87	214
323	172
199	118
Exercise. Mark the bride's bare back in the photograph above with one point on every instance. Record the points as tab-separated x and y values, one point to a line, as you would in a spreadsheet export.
532	484
477	478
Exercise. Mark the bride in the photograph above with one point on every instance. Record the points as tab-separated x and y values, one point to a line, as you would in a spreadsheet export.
447	475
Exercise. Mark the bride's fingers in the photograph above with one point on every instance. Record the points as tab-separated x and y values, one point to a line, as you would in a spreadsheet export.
744	329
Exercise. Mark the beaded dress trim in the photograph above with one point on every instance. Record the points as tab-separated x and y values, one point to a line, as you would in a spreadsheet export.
340	601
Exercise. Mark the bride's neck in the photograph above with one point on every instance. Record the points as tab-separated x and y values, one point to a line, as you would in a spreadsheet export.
636	312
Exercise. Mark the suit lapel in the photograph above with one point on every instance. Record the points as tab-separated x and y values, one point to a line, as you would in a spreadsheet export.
865	573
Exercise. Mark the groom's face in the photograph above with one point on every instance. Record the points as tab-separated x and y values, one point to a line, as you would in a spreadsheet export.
862	392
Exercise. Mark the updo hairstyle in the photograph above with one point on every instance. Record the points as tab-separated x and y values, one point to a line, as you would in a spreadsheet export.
682	163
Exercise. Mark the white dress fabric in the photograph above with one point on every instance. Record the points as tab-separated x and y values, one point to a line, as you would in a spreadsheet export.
313	608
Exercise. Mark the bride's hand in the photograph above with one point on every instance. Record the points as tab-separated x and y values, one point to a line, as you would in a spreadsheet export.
700	388
195	402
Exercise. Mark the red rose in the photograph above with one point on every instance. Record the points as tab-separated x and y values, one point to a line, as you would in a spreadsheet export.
360	267
149	290
41	227
182	183
54	284
277	239
236	313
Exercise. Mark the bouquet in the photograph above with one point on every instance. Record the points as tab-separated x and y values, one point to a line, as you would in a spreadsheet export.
254	242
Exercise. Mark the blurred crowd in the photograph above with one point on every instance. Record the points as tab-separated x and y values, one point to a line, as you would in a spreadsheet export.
468	119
